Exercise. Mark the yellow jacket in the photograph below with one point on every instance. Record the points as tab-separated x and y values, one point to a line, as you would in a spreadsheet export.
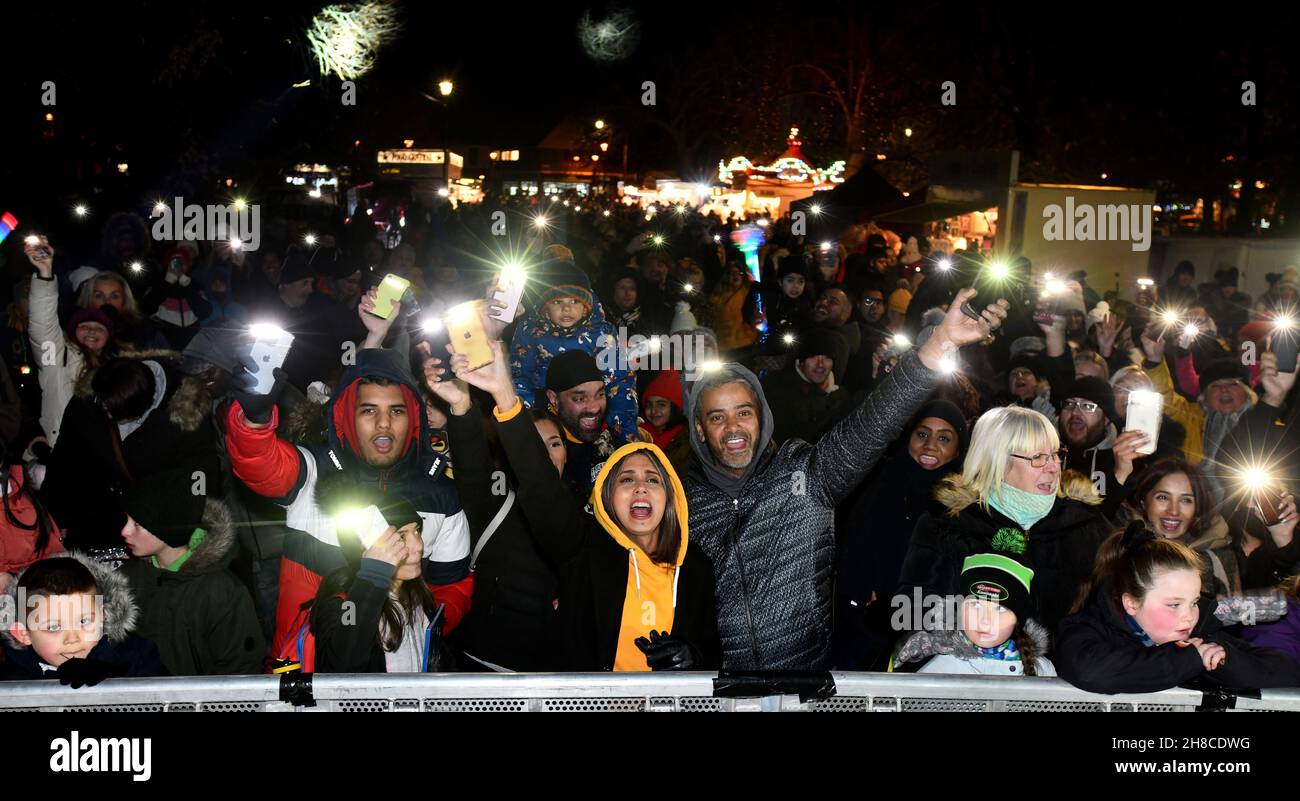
1190	415
651	595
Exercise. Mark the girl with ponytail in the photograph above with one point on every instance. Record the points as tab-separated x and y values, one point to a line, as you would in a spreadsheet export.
1141	624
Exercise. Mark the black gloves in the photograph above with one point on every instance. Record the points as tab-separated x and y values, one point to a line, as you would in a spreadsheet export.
88	672
666	652
257	408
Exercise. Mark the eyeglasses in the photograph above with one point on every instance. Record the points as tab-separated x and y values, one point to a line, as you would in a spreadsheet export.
1041	459
1082	405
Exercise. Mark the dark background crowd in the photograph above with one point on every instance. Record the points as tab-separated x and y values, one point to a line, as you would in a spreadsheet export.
848	440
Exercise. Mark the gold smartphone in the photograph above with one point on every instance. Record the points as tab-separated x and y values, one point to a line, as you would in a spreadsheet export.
466	333
391	290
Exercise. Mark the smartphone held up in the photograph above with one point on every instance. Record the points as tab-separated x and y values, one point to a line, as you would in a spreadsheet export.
1265	494
270	348
467	334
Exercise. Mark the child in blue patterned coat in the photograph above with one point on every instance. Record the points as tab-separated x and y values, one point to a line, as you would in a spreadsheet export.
567	316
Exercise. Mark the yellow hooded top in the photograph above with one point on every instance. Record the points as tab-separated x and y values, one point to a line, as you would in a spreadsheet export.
651	596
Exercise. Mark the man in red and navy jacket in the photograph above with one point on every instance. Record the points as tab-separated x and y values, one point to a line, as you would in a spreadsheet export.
378	436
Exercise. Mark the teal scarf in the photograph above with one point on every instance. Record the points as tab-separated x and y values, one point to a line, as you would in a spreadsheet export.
1026	508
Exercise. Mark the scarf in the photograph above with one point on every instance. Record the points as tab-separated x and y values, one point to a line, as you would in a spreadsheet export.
1006	652
1025	508
1217	426
1137	630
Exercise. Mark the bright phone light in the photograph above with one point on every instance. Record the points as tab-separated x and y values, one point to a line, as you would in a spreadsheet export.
1256	477
137	267
1191	330
901	341
1284	323
999	270
540	221
431	325
945	264
310	239
33	240
266	331
80	210
826	246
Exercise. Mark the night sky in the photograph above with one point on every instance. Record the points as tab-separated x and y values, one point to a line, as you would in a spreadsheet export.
184	92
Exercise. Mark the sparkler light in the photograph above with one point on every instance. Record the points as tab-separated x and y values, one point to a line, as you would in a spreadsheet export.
345	39
611	38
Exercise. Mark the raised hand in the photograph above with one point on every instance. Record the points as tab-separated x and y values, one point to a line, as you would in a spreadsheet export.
1283	531
493	377
376	327
387	547
1107	332
1153	349
957	329
41	255
441	384
1276	385
1125	451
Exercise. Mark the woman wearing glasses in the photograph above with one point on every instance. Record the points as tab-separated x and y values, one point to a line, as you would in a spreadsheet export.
1010	497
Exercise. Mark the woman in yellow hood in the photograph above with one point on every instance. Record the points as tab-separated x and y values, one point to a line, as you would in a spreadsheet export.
635	593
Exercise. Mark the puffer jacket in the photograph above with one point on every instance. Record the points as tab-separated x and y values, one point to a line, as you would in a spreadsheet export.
200	616
771	532
1061	547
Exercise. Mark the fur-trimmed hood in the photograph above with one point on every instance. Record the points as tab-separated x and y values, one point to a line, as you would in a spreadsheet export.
1215	536
187	400
218	544
1032	640
956	495
120	611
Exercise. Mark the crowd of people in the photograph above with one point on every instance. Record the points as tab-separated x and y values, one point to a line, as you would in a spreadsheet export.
866	455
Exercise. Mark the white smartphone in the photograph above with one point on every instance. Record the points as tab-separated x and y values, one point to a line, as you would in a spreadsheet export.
509	289
270	348
1145	409
369	523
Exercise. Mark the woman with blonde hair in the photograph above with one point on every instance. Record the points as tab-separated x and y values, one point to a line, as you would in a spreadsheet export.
106	290
1011	497
62	359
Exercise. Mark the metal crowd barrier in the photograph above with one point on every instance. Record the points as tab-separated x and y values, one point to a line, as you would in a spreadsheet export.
611	692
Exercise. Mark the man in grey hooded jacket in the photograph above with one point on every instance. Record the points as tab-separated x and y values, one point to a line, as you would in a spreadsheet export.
765	516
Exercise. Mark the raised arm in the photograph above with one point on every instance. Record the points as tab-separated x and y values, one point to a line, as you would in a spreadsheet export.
43	316
557	523
853	446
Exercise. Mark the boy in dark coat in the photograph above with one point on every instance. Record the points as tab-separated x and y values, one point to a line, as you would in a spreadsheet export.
200	615
75	625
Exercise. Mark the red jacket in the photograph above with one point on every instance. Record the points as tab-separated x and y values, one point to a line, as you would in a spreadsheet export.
289	475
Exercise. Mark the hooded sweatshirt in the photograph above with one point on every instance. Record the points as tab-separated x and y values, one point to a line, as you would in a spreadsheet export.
770	531
651	596
302	479
611	592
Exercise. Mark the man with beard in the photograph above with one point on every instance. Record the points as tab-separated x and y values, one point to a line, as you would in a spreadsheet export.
831	313
1096	449
575	389
765	515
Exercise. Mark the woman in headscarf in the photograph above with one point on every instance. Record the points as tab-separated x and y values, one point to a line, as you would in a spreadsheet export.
874	543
